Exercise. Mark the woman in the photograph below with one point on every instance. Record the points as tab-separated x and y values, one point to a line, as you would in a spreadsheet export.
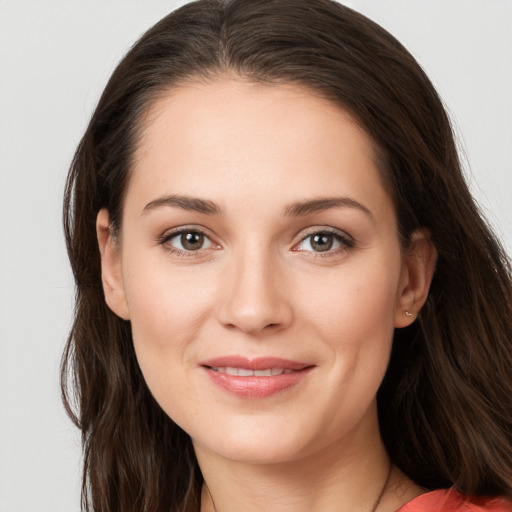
286	297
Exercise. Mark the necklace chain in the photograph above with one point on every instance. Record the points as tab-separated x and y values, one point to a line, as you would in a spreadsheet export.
373	509
383	490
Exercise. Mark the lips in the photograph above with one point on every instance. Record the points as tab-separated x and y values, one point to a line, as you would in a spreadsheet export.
243	372
255	378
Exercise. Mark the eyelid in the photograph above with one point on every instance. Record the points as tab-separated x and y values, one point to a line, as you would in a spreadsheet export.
341	236
174	232
345	239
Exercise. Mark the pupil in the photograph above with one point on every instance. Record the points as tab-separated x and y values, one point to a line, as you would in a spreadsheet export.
192	241
322	242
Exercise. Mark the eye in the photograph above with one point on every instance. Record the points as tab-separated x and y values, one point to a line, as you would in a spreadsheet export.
187	240
323	242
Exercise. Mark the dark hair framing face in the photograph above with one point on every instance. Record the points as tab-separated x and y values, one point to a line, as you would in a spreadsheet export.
445	406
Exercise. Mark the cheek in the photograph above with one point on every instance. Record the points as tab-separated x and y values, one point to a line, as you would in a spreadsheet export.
166	300
167	318
355	320
357	299
168	309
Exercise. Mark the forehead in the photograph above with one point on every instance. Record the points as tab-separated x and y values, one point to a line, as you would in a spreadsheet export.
218	137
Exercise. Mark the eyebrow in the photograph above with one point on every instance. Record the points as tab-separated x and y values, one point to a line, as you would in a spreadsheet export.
297	209
324	203
185	202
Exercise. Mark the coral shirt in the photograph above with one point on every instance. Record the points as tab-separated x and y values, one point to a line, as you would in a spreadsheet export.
449	500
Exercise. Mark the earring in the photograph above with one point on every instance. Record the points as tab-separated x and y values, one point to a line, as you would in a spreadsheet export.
407	313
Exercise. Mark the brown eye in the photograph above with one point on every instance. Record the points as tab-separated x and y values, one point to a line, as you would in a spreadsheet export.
188	240
192	241
322	242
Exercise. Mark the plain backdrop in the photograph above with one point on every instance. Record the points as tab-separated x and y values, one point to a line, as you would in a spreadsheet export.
55	58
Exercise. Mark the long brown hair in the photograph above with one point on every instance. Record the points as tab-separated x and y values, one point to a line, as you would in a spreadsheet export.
445	405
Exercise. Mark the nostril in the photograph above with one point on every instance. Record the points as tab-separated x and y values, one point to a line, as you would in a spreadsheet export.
253	310
268	326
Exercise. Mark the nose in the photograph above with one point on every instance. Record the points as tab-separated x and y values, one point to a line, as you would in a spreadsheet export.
254	297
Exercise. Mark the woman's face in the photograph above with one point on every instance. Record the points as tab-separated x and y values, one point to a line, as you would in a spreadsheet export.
259	265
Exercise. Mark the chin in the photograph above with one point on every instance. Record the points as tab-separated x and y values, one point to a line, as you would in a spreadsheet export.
263	442
252	452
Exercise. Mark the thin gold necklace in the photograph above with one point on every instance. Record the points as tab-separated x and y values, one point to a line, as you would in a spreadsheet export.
383	490
373	509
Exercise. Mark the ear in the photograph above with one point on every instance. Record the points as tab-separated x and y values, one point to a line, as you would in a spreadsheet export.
111	271
417	272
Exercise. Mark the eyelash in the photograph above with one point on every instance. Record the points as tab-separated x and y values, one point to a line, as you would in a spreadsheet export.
345	241
165	239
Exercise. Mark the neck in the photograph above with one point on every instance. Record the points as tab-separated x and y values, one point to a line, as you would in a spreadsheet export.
349	476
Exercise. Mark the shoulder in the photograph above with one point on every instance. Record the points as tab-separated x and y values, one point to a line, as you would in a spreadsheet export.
449	500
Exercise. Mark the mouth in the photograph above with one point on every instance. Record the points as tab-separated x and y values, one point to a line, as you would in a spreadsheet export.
255	378
243	372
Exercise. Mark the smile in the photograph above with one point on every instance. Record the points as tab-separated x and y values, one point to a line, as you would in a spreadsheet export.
244	372
255	378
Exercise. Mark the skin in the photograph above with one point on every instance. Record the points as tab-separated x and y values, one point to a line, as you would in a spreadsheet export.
259	287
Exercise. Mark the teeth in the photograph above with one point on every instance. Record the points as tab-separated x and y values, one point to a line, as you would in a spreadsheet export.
243	372
263	373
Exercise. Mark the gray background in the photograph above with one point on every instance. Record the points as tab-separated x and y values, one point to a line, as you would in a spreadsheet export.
55	58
